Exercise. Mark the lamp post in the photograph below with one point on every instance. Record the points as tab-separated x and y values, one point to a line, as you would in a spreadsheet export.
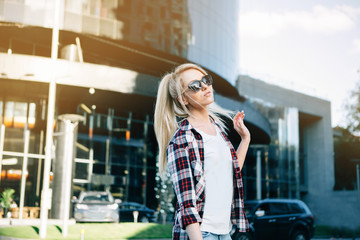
357	161
49	125
358	180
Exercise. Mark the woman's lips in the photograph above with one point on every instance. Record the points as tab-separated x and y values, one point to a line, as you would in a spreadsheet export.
208	94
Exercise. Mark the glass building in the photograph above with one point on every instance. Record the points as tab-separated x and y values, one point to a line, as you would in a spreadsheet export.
299	161
112	55
272	170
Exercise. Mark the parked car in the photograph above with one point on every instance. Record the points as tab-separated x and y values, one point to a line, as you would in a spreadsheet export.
94	206
277	219
126	212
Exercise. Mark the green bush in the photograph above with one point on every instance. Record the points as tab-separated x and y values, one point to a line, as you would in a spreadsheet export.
321	230
7	197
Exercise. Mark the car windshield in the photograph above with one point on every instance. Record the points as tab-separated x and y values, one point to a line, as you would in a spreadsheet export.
96	198
249	207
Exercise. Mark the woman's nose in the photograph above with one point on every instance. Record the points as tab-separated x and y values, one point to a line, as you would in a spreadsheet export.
204	86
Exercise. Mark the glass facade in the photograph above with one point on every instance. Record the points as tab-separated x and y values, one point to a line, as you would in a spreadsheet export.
200	31
272	171
115	148
214	39
121	149
18	117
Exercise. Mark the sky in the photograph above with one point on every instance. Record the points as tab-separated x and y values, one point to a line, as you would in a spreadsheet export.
311	46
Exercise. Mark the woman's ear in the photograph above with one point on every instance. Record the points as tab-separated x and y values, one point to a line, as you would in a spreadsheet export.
183	99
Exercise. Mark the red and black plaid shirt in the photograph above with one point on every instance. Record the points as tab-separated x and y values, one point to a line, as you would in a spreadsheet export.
185	156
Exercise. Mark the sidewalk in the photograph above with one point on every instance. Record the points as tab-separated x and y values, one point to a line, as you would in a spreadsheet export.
11	238
55	223
8	222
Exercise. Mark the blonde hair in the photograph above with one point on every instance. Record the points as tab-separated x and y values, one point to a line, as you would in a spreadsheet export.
169	105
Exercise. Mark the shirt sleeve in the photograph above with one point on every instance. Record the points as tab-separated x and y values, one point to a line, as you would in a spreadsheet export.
182	178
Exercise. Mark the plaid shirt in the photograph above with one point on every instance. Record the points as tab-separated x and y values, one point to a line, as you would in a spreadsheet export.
185	156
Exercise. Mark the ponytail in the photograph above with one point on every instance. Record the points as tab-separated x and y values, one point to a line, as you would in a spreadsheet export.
165	123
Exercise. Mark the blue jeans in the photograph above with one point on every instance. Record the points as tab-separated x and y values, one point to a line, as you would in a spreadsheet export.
213	236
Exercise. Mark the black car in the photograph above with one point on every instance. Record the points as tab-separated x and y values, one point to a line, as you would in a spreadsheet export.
127	209
277	219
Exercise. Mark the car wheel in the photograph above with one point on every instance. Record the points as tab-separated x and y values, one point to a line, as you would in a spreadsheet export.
299	235
144	220
242	236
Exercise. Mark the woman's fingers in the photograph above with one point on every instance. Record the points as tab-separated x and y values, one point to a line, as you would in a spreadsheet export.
239	117
239	125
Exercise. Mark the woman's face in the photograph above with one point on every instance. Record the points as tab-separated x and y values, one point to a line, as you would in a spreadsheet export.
199	99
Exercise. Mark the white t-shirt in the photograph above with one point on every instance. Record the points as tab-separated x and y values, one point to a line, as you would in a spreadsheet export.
218	169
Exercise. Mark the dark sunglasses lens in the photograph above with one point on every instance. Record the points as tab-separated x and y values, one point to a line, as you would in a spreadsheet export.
207	79
195	86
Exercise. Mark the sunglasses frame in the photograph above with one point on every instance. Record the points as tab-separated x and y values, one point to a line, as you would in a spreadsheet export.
195	85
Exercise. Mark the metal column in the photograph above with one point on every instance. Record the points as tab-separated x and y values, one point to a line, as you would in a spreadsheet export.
108	156
144	171
258	174
128	152
2	139
358	180
23	173
63	167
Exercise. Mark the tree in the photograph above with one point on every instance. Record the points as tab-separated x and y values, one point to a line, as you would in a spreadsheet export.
347	144
346	148
353	111
165	195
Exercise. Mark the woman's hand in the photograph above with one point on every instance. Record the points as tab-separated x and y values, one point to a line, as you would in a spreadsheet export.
244	133
240	127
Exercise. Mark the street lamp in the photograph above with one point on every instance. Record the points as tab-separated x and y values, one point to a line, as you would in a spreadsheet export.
357	161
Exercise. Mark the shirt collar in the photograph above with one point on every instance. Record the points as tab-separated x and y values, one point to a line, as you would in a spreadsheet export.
185	124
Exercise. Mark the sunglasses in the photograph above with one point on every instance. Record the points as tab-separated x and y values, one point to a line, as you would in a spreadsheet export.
195	86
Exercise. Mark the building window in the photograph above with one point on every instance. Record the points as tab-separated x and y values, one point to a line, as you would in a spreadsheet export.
17	114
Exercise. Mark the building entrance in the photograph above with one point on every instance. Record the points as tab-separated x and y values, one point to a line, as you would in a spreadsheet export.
21	153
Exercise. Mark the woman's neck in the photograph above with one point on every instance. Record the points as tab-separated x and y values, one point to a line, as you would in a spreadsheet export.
199	118
202	122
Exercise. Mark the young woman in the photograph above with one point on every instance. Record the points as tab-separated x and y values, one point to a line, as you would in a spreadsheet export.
205	168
